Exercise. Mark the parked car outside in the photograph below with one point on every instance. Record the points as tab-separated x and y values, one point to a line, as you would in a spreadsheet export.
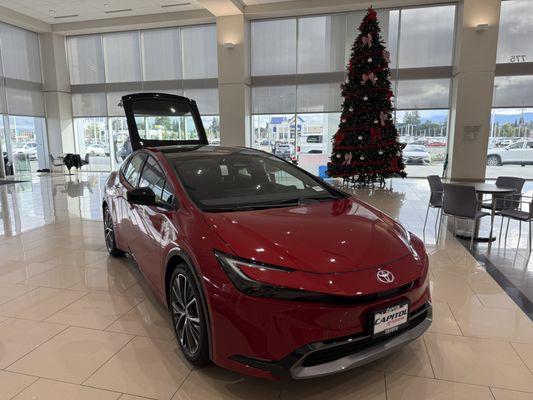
519	153
28	148
311	144
416	154
98	149
284	150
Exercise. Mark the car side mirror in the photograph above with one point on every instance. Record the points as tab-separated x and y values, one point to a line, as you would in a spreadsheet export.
141	196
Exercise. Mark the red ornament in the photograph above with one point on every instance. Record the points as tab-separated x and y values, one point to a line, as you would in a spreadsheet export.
339	137
390	95
375	133
372	14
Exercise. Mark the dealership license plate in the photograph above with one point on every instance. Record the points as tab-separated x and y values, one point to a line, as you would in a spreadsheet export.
390	319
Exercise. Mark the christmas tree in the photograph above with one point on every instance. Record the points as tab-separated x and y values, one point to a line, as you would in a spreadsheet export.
366	147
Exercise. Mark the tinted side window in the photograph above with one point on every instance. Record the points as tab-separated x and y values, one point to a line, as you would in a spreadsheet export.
152	177
518	145
314	139
134	169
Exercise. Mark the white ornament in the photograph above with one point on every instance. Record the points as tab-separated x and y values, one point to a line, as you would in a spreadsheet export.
360	137
380	152
365	98
362	157
338	155
375	121
369	59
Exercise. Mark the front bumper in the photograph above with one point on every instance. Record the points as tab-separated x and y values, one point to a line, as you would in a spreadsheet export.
329	357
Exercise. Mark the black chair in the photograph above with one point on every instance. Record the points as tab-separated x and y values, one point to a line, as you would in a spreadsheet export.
499	202
517	214
461	202
435	198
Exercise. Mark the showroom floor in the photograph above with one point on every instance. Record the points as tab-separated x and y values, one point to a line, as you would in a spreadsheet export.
77	324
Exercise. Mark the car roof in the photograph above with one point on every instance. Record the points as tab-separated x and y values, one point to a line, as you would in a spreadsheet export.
186	151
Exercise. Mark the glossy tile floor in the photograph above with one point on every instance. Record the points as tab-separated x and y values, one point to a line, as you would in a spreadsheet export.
77	324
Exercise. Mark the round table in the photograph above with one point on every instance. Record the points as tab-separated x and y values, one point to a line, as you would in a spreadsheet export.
481	189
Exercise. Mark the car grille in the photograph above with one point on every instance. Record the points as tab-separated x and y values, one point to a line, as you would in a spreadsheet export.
358	343
368	298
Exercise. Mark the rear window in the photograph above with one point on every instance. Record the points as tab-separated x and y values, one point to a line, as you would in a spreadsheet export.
164	120
314	139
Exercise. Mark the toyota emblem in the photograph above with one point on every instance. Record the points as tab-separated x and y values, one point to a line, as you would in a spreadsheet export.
385	276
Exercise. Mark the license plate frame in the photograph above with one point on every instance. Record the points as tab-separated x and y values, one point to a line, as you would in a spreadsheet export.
397	322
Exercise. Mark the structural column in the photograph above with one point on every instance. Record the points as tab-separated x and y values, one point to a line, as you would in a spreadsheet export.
234	79
56	88
472	88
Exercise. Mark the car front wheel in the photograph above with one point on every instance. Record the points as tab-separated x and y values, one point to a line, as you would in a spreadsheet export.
493	161
188	316
109	235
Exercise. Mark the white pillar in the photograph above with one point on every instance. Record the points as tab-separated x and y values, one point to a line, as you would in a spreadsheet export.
234	80
56	87
473	83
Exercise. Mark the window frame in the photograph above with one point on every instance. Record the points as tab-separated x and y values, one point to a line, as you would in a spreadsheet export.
159	201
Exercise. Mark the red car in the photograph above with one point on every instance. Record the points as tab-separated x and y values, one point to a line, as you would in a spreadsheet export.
266	269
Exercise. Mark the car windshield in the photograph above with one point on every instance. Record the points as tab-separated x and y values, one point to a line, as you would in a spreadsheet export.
417	149
241	181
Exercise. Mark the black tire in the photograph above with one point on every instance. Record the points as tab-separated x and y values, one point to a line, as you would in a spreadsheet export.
109	235
188	317
494	160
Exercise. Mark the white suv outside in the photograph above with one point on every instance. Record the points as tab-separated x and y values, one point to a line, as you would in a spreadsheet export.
520	153
311	144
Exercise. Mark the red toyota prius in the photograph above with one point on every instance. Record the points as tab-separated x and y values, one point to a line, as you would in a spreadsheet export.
265	269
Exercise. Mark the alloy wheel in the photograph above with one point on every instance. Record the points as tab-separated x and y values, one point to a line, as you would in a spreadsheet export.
108	231
493	161
185	314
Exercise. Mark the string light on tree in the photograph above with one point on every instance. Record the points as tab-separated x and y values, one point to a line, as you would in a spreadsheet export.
366	146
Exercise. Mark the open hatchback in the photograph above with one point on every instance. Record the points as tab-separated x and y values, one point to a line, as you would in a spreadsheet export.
159	119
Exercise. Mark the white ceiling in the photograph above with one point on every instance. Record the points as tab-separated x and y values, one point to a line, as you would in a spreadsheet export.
83	10
59	11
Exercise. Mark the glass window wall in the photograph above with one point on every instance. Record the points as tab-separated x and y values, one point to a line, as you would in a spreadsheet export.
299	62
180	61
92	141
510	149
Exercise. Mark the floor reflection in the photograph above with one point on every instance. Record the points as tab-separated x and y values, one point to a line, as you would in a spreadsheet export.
43	200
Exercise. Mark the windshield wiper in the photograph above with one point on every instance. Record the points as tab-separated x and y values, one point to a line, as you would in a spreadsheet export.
284	203
287	203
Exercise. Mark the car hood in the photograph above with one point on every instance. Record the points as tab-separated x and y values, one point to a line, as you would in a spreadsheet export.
336	236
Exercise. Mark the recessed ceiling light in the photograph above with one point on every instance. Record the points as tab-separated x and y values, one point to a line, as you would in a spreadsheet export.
117	11
175	5
67	16
51	12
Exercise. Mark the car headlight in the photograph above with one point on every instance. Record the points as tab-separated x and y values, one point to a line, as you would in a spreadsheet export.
233	267
406	237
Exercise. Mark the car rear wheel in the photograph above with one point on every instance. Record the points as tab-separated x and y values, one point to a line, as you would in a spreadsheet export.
188	316
494	161
109	235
